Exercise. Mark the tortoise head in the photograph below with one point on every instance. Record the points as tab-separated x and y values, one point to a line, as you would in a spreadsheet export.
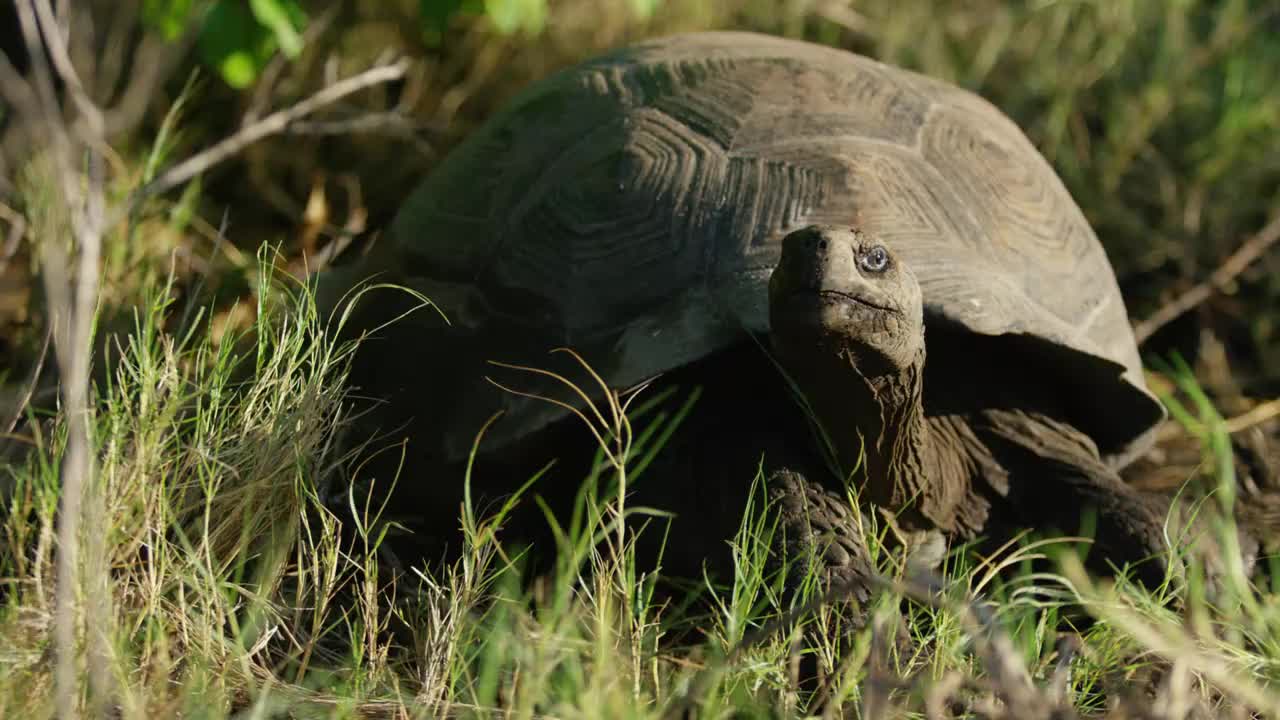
840	290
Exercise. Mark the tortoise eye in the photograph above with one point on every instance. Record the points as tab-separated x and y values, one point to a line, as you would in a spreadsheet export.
875	260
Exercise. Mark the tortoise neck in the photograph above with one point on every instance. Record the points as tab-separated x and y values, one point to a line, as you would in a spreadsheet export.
876	428
891	437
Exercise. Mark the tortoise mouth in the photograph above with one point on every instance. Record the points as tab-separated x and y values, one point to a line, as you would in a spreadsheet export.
840	296
815	297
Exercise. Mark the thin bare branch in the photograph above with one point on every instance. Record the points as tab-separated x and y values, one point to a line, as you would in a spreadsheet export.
16	90
17	228
72	291
1256	416
1252	249
272	124
383	122
32	381
66	72
153	62
275	67
41	76
394	124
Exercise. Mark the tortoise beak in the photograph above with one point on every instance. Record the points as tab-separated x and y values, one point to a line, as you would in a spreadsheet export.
815	258
822	261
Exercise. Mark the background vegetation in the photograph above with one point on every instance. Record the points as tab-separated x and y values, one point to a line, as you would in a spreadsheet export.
225	582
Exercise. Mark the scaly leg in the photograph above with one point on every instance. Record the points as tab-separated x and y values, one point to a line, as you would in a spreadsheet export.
1055	473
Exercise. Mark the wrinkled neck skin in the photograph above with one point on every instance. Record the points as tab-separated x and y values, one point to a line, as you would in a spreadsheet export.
873	416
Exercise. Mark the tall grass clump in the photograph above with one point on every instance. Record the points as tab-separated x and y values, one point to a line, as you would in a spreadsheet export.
224	563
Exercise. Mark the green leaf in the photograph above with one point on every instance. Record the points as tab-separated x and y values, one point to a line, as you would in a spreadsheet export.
509	16
284	18
168	17
436	14
238	38
644	8
234	43
239	69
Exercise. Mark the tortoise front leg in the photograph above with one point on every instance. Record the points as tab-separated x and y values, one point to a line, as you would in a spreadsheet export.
820	536
1056	473
1130	525
818	533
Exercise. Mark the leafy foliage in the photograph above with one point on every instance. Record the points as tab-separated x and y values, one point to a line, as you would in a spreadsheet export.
238	38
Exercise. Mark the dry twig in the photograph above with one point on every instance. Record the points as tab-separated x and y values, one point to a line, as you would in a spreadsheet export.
75	147
272	124
25	399
17	228
1252	249
1259	414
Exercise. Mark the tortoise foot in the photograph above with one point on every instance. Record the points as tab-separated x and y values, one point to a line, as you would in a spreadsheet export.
819	536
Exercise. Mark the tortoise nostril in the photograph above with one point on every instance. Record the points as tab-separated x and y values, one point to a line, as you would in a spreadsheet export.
822	244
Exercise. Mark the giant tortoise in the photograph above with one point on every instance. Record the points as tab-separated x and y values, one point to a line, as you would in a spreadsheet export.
635	207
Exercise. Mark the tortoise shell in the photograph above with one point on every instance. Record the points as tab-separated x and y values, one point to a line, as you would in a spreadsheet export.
632	207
